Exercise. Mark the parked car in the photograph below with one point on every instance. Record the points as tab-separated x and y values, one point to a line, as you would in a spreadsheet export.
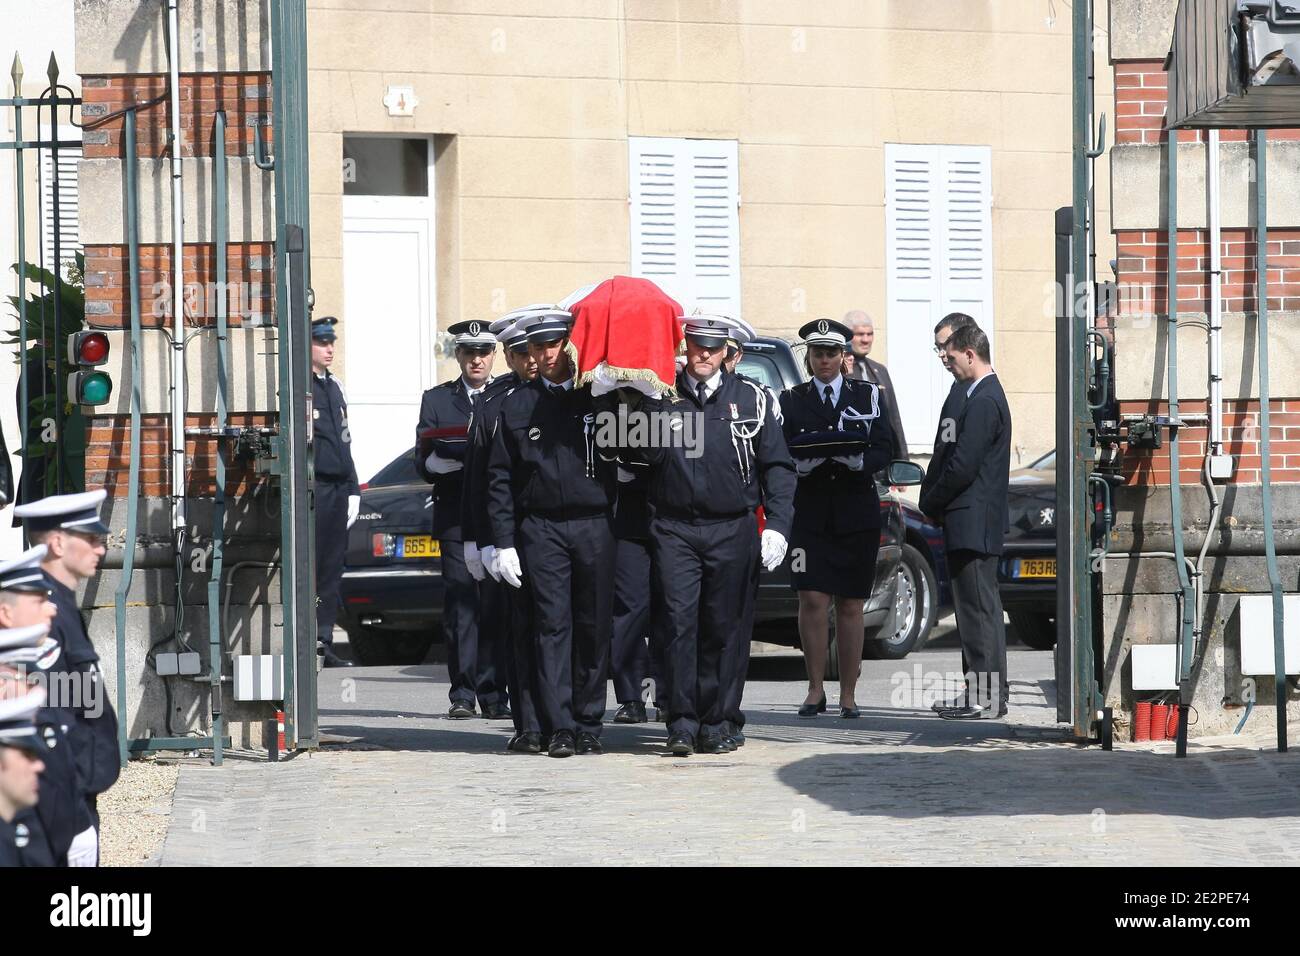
392	577
392	589
1027	569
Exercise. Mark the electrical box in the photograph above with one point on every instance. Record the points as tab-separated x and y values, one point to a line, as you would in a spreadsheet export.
166	665
1256	625
189	663
1221	467
259	677
1155	666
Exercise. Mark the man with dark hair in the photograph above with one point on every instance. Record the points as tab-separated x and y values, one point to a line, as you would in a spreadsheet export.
968	495
863	369
946	433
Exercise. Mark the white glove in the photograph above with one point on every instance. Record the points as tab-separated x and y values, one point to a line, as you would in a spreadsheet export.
354	509
624	476
851	462
773	545
805	466
489	557
473	562
508	567
442	466
84	849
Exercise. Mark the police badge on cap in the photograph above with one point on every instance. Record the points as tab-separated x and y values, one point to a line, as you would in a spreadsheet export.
322	329
826	332
713	331
473	334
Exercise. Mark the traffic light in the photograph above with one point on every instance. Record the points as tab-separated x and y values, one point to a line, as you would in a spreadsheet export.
88	385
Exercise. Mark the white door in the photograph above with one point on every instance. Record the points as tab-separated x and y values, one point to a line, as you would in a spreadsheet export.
938	241
388	330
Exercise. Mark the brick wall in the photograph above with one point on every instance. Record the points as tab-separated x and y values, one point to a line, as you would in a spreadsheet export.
246	100
250	283
1241	440
108	455
1142	262
245	97
1141	95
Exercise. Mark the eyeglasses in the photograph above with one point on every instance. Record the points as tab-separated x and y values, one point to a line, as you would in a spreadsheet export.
942	347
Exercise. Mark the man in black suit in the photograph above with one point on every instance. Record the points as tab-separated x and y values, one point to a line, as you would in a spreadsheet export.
866	370
968	495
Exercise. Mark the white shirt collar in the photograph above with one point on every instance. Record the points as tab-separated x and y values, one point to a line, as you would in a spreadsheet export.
977	381
835	385
710	385
567	385
470	390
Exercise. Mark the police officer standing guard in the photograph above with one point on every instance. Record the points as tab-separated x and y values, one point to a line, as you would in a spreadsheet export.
475	661
337	492
551	496
704	531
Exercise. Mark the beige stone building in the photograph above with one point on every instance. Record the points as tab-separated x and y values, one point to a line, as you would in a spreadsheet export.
812	156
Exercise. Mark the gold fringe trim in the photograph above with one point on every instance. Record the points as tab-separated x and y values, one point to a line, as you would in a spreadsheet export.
631	375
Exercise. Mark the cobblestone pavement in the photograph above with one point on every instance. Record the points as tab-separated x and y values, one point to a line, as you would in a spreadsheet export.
409	786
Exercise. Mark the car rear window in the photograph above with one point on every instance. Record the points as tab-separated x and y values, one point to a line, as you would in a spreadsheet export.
399	471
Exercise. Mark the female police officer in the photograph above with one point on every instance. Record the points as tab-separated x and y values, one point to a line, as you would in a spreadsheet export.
836	533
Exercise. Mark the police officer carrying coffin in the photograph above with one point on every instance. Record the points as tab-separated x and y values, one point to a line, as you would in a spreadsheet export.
58	830
551	496
20	768
704	531
836	507
70	528
514	628
337	492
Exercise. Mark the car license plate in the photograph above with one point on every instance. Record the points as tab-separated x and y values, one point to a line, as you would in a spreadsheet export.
1036	568
418	546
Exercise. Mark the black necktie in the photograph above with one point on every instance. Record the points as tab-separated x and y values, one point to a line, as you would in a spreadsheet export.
557	389
830	397
702	390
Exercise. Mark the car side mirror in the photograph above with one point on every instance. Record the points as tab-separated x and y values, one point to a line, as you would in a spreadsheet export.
905	473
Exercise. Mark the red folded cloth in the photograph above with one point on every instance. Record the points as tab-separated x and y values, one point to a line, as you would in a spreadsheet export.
631	326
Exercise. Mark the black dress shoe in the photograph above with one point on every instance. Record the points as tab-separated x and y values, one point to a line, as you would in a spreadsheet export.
729	742
974	713
850	713
496	712
681	744
330	659
710	744
461	709
589	743
632	712
812	710
525	744
736	734
562	744
939	706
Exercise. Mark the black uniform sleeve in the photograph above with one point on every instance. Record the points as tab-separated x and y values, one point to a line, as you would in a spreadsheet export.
500	492
428	419
880	446
979	428
777	475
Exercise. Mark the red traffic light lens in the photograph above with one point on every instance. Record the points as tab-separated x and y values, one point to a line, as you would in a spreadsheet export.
92	349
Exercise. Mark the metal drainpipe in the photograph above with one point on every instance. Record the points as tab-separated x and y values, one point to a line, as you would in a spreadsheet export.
1266	476
219	238
1187	601
133	475
178	278
1216	305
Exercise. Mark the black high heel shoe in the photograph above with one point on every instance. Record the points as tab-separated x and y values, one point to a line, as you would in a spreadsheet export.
812	710
849	713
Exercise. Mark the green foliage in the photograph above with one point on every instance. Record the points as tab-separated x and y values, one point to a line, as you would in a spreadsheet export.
40	452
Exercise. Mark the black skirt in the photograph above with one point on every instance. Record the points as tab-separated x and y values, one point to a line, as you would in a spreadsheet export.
840	564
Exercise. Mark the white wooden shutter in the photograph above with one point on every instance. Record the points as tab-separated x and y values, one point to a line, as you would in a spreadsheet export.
684	196
938	244
69	221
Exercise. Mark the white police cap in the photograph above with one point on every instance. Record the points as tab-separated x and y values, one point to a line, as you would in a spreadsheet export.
713	331
18	720
25	645
24	573
78	512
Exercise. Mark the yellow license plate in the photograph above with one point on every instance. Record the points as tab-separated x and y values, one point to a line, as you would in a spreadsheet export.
1037	568
419	546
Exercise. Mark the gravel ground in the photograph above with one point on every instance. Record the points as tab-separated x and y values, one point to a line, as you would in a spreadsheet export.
134	814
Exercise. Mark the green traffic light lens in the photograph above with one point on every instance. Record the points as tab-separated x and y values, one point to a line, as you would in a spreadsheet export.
95	389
